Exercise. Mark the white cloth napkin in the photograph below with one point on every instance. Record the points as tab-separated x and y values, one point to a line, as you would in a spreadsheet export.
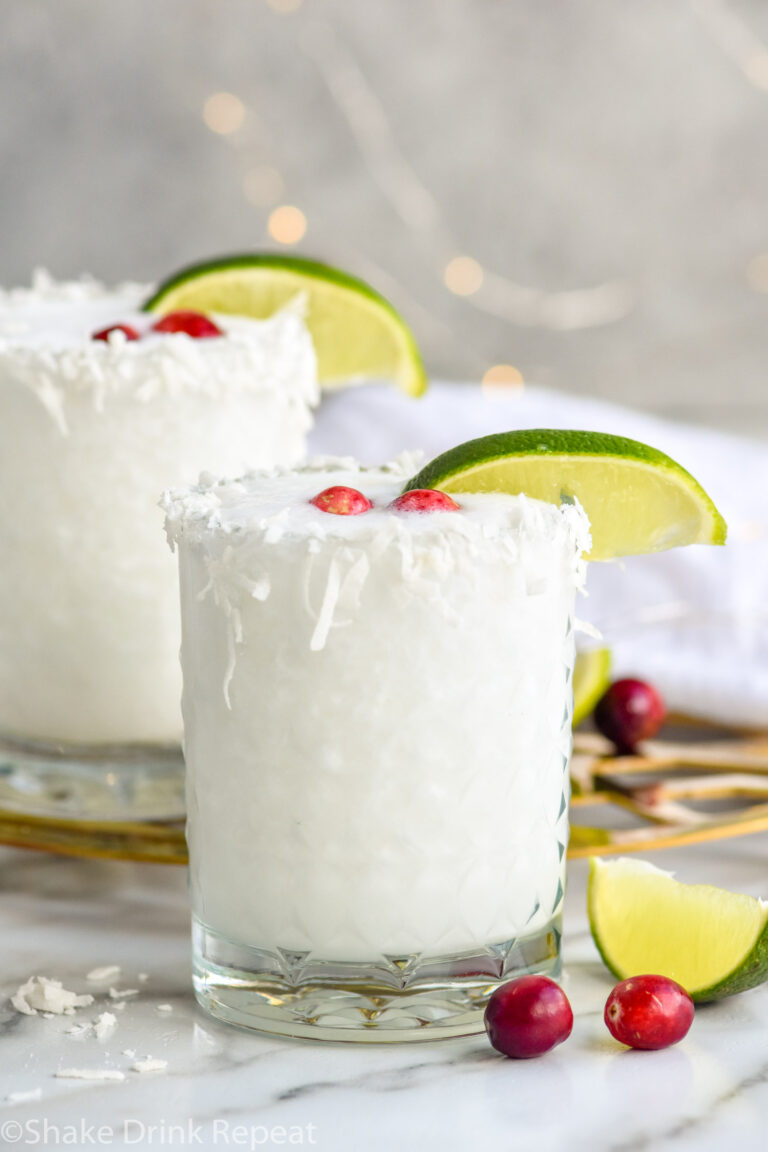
694	621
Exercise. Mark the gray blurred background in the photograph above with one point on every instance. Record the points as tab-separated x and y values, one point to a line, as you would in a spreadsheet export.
574	190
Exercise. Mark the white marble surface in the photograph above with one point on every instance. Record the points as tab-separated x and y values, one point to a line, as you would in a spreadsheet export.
227	1088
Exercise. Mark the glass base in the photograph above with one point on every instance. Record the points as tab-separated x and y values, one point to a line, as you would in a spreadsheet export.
94	782
391	999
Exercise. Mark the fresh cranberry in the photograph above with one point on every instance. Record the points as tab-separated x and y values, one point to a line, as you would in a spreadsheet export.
341	501
424	500
628	712
195	324
648	1012
105	333
528	1016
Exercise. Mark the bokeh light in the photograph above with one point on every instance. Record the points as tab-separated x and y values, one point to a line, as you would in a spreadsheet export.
287	224
463	275
756	70
223	112
502	376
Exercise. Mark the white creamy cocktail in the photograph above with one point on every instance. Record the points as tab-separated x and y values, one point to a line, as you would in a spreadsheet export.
92	431
377	731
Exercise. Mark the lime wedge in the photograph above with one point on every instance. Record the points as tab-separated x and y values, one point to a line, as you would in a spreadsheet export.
357	334
591	677
637	498
713	942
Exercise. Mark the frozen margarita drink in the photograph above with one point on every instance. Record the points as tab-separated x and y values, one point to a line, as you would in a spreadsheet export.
377	709
101	408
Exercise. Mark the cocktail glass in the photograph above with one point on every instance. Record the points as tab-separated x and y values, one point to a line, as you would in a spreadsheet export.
377	715
92	431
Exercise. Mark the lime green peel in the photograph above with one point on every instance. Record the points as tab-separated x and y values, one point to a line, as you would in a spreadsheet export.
357	334
637	498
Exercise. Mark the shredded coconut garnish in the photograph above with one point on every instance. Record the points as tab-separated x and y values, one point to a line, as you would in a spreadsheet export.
46	346
587	629
247	529
325	619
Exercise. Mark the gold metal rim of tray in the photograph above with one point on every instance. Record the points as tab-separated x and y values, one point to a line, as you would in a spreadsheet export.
662	797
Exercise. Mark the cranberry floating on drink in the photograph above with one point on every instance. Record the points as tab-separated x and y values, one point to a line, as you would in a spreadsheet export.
424	500
116	331
340	500
191	323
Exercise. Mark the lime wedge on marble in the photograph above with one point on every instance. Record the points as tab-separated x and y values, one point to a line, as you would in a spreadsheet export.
643	921
357	334
637	498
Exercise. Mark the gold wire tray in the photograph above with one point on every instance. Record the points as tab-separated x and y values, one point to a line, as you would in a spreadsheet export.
676	792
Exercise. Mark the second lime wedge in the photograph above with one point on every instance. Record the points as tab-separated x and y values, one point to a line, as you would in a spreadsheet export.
637	498
711	941
357	334
591	677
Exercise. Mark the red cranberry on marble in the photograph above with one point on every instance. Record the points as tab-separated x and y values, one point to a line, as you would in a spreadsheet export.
528	1016
648	1012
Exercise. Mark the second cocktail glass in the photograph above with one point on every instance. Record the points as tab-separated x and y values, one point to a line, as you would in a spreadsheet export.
92	430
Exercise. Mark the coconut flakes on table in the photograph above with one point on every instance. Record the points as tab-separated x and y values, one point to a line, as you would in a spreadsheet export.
79	1030
89	1074
122	993
40	994
24	1097
150	1064
104	1025
107	972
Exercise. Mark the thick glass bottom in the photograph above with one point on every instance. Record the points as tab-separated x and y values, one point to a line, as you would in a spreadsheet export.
92	782
390	999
